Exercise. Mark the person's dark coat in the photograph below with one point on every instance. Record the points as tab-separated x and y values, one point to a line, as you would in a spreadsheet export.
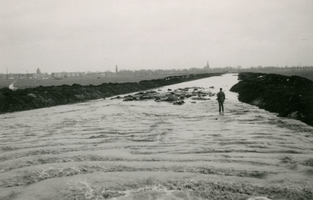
221	96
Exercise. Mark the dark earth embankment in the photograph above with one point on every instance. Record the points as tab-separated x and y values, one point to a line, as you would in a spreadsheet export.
40	97
289	96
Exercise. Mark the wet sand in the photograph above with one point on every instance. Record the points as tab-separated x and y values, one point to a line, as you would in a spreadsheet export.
111	149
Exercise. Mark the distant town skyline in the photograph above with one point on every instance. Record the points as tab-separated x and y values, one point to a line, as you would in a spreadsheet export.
76	35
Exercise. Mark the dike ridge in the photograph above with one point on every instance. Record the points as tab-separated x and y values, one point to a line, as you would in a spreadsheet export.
289	96
41	97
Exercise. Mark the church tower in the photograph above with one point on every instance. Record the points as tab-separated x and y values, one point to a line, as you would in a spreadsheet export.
207	67
116	69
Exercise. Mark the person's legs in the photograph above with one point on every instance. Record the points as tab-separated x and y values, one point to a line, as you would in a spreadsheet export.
222	105
219	106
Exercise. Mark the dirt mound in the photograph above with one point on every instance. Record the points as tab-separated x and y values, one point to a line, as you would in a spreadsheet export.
289	96
176	97
40	97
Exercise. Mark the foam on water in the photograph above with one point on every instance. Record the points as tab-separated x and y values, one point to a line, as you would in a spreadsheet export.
157	193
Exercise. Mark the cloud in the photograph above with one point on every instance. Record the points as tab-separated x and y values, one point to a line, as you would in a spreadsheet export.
71	35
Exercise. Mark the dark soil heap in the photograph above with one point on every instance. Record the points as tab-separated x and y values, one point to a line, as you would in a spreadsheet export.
289	96
40	97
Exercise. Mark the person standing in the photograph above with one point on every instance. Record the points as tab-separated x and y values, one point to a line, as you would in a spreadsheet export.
221	98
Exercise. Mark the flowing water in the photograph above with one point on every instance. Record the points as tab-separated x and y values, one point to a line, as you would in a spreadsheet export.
112	149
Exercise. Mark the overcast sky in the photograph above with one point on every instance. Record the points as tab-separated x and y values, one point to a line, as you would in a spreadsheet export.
96	35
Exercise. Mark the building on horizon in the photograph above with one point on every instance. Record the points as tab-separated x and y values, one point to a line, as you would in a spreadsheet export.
207	67
67	74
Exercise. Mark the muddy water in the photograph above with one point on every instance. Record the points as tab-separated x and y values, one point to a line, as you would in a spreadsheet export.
111	149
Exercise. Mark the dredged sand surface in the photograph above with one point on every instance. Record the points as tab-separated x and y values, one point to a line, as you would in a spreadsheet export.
111	149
